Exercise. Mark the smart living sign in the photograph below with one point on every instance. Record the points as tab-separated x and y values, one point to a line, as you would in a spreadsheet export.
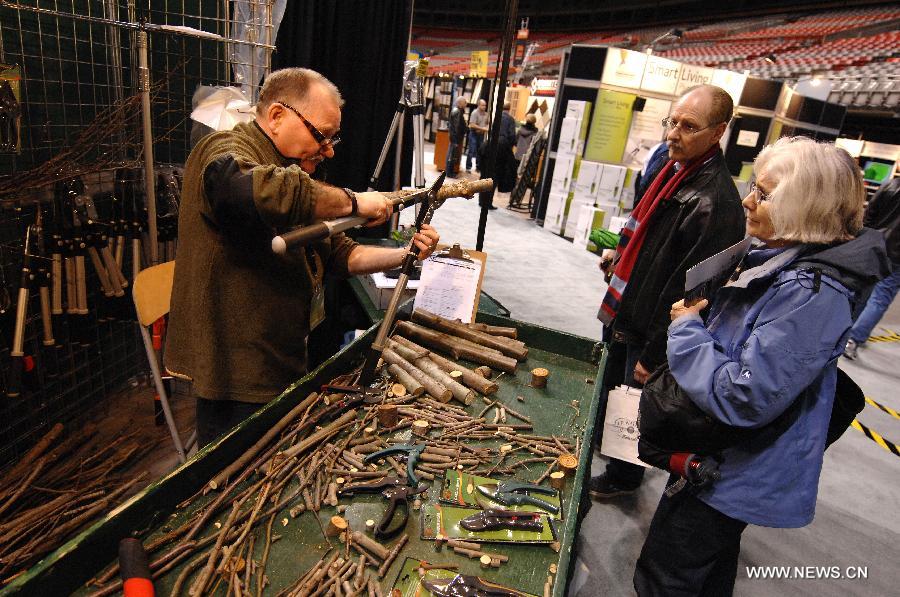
636	70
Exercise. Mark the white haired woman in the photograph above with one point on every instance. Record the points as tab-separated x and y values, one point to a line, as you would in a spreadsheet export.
771	339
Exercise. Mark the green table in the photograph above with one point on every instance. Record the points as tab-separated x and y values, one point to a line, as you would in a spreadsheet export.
575	364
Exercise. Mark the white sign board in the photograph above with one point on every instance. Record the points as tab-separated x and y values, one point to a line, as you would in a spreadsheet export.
731	82
693	75
623	68
660	75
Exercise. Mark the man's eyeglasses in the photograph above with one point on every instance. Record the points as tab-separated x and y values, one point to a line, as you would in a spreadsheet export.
316	133
759	195
687	129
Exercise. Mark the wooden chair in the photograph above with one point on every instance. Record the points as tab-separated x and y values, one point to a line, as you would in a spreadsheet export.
152	291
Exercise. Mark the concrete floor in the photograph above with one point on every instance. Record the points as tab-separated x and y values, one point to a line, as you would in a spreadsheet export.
544	279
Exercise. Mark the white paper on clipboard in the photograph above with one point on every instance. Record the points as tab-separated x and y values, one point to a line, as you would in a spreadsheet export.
448	287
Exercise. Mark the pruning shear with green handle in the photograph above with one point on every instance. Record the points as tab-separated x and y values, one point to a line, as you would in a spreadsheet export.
511	493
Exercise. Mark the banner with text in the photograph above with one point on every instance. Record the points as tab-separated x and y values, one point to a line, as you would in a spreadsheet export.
609	126
478	64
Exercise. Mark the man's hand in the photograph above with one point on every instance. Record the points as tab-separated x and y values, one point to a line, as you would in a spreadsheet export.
680	308
426	240
641	375
374	206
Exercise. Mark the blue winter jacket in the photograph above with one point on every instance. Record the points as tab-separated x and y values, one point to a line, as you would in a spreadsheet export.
774	336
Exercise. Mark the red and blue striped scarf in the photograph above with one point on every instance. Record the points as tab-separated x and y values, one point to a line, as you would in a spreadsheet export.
634	232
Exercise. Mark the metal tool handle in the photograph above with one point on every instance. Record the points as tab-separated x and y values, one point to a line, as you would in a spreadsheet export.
46	320
14	383
400	200
56	280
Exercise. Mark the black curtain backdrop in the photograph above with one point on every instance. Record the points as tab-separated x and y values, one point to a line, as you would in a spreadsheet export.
360	46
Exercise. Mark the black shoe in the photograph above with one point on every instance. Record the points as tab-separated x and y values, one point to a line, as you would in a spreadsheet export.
492	207
603	488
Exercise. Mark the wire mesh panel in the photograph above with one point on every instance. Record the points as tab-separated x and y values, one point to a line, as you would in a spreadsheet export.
74	70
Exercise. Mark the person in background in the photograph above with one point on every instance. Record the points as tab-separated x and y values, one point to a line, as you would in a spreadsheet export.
505	168
478	127
883	213
524	137
457	132
240	314
689	211
770	342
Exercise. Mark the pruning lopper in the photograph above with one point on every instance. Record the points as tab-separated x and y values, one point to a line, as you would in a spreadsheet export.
511	493
412	458
396	491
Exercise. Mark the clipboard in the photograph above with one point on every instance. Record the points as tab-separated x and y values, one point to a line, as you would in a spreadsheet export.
450	284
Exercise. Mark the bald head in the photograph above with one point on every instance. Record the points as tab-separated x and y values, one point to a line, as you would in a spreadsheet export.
720	106
697	122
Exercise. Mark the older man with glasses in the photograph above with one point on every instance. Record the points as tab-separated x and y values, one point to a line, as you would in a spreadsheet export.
690	211
240	315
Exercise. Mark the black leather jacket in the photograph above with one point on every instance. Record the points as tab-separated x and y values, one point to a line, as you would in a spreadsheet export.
702	218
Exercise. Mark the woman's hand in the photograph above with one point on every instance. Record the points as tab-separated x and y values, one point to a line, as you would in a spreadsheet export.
680	308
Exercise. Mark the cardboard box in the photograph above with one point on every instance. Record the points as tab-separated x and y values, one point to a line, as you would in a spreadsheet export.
562	174
586	181
380	288
554	218
589	218
569	136
610	183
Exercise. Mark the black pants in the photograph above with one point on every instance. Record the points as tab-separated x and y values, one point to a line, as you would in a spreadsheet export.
215	417
691	549
624	474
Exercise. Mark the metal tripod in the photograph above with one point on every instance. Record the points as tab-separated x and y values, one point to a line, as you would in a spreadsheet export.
410	101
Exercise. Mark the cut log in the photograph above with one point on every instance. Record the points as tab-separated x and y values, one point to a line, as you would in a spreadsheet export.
457	350
467	376
507	346
432	386
495	330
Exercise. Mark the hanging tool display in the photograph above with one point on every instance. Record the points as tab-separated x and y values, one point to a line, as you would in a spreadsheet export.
129	188
72	246
33	272
96	241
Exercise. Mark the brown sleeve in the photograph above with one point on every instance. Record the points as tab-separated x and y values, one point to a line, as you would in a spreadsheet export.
341	247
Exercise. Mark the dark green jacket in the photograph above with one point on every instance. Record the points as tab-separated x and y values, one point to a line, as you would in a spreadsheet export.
240	314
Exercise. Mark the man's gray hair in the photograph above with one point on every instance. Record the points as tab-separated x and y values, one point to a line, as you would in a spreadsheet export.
722	105
818	195
293	85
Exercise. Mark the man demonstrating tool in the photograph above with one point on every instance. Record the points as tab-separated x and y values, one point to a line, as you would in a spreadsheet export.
689	211
240	314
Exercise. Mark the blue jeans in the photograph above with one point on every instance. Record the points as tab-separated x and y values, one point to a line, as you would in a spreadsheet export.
882	296
475	141
450	165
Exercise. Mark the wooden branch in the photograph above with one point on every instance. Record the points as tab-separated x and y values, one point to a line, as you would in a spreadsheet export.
264	441
412	386
321	435
456	349
432	386
495	330
509	347
469	377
